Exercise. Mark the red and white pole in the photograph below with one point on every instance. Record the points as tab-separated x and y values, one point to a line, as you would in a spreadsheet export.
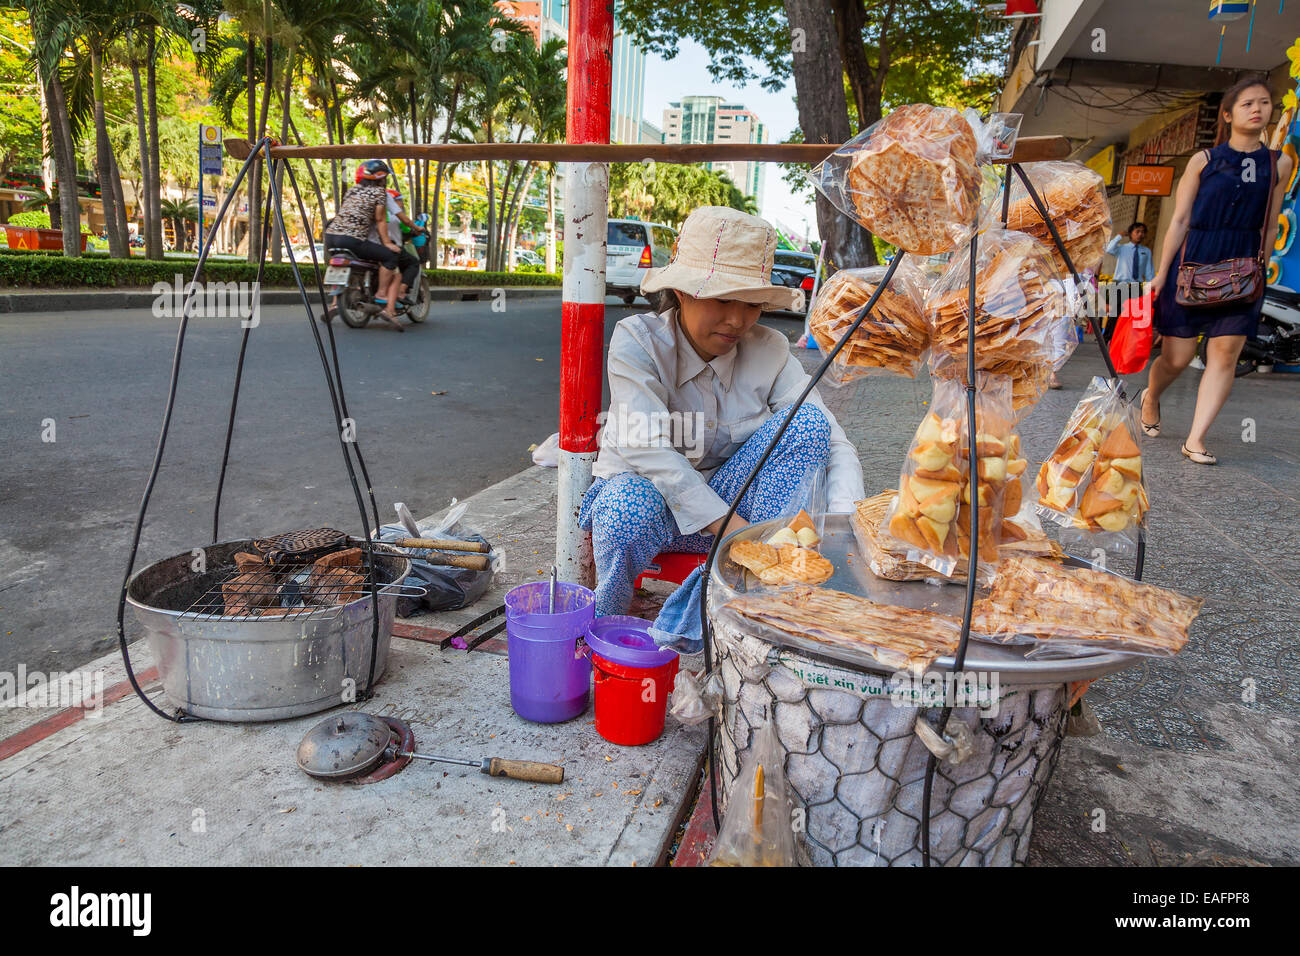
586	199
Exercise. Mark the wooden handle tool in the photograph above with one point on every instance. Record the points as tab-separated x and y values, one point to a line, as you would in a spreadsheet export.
442	545
524	770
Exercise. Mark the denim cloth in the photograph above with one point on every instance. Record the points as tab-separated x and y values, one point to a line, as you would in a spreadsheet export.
631	523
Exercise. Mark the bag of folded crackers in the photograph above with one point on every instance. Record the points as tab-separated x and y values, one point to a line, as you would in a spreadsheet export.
933	511
1068	611
1092	482
1075	198
912	178
1022	535
894	336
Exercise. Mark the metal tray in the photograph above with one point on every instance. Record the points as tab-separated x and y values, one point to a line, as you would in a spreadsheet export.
852	576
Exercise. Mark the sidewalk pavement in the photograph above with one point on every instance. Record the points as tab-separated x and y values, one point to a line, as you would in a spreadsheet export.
100	300
1189	768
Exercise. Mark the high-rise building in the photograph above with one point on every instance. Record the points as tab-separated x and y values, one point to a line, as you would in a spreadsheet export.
710	119
550	18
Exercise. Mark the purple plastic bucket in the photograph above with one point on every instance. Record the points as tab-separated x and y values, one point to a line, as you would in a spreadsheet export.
550	680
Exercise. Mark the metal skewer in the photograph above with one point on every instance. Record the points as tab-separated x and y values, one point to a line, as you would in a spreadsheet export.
554	573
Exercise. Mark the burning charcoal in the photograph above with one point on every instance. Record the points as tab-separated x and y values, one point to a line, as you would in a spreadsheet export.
349	559
336	586
249	562
251	589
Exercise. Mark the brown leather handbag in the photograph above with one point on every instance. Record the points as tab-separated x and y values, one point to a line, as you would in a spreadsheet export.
1232	280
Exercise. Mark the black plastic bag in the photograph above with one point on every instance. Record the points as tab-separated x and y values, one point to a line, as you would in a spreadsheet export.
446	588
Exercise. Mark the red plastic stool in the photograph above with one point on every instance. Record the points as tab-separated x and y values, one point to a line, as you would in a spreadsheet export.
670	566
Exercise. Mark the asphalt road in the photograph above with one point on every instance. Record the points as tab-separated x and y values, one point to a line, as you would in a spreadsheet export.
442	411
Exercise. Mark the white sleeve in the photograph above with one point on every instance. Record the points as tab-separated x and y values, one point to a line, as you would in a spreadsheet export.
844	484
638	397
1112	245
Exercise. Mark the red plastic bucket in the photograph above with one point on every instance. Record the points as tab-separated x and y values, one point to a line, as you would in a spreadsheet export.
631	702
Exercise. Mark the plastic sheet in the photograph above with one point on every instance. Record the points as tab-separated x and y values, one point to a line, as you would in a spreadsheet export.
1068	611
912	178
1075	198
895	337
758	829
1092	483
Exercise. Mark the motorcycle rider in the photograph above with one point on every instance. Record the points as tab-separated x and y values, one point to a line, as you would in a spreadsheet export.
407	265
365	206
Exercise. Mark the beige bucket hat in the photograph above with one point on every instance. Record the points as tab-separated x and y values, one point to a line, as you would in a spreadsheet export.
723	253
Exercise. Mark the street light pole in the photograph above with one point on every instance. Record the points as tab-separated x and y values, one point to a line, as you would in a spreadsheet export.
586	200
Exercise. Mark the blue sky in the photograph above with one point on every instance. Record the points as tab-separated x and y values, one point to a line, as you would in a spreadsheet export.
687	74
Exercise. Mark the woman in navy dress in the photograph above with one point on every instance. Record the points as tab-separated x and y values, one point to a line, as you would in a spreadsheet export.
1223	200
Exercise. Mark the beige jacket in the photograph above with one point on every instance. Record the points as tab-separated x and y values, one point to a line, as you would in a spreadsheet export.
674	418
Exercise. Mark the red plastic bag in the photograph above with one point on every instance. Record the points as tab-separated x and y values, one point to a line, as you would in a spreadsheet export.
1130	345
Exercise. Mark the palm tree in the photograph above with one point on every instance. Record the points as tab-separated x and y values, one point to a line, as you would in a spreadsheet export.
544	102
53	32
179	212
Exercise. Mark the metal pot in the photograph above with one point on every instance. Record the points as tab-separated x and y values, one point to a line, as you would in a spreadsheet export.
250	669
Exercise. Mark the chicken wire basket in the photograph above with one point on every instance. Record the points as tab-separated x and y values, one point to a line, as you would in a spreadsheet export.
857	768
854	760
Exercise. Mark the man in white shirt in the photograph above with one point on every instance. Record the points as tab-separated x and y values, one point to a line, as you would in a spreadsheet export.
1133	267
698	391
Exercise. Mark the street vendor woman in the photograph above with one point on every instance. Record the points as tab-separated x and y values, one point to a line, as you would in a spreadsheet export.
697	391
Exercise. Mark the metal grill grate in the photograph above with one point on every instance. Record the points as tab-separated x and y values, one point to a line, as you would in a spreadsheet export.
281	592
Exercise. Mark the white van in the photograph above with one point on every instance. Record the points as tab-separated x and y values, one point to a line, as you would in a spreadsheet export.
632	248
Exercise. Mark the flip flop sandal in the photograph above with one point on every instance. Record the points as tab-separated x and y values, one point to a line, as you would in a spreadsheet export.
1200	457
1151	431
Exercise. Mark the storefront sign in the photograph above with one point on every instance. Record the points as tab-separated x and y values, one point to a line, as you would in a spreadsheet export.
1103	164
1148	180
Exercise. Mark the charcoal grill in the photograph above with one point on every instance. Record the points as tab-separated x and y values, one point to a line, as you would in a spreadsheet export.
254	668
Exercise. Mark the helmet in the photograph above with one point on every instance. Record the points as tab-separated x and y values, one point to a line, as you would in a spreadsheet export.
373	169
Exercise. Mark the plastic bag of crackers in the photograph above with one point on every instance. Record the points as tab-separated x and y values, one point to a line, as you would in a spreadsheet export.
1023	314
912	178
1092	482
1075	198
932	514
1067	611
894	336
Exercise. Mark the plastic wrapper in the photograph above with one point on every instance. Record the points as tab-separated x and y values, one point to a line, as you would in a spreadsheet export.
885	636
1022	534
1092	483
696	698
894	337
790	555
932	513
1075	198
912	178
758	829
1067	611
1029	380
1023	311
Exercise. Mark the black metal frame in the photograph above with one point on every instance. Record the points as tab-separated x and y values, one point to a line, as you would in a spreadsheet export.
338	404
959	658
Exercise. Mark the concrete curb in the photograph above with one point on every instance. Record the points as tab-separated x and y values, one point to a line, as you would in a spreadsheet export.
71	301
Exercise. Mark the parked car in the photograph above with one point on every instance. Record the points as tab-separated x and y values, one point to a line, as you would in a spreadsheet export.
796	270
526	257
632	248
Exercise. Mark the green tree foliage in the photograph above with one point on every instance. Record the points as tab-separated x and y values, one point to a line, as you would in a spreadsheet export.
667	192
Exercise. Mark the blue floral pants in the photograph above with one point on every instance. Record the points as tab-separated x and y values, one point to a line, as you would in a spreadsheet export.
631	523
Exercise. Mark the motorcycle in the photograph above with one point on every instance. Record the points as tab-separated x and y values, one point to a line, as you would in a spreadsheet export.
1278	340
351	282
